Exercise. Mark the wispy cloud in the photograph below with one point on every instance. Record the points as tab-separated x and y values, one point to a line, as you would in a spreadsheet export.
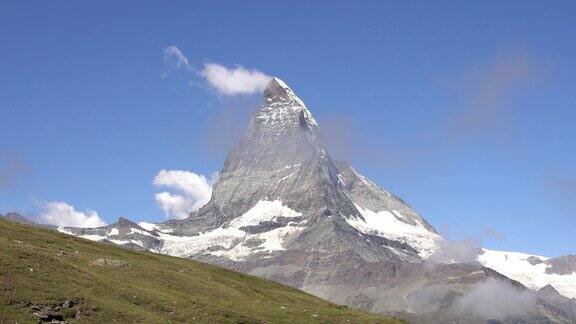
226	81
482	100
495	299
464	250
189	192
492	233
562	189
173	56
486	93
59	213
11	165
458	251
225	126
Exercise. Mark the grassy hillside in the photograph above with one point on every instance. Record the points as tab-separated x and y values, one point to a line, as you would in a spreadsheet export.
61	276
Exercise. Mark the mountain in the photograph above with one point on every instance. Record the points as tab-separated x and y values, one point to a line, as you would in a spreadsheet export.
534	271
283	209
46	276
15	217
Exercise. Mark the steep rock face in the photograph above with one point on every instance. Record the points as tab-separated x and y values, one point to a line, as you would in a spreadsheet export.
282	158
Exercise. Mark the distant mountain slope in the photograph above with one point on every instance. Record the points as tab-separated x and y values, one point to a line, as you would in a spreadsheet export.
61	277
534	271
15	217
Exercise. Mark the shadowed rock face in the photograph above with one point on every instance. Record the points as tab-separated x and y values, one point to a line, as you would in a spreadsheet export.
284	210
563	265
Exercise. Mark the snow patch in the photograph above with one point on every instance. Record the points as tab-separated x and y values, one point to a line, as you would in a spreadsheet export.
99	238
515	265
386	224
292	166
286	177
148	226
151	227
341	179
228	240
122	242
139	231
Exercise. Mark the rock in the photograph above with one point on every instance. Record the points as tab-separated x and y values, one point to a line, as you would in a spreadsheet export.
67	304
49	315
534	260
35	307
549	290
563	265
109	263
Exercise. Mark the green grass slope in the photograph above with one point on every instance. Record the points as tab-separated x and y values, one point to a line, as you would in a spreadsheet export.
76	280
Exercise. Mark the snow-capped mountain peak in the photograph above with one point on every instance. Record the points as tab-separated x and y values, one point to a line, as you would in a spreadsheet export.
282	107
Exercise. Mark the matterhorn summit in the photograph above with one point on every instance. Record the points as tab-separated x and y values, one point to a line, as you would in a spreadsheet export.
282	163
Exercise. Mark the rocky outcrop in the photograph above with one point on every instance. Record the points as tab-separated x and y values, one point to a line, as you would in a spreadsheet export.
563	265
109	263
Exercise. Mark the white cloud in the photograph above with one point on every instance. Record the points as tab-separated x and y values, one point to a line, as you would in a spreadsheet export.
496	300
459	251
233	81
62	214
190	192
173	55
226	81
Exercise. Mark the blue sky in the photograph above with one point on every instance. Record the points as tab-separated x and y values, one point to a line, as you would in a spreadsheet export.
464	109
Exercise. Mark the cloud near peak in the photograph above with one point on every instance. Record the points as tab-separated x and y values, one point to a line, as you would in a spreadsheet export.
233	81
224	80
